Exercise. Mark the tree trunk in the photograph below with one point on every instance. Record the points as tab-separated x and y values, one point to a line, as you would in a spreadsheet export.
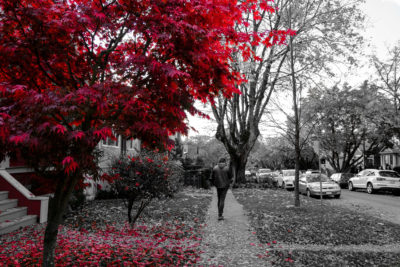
123	146
297	148
238	166
297	175
143	204
50	240
57	207
130	206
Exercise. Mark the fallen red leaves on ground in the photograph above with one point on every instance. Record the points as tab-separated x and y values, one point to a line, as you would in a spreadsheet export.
138	246
97	235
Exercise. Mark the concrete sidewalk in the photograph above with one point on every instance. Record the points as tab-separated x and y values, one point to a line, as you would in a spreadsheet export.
230	242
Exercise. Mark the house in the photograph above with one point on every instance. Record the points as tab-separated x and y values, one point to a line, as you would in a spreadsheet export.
23	198
19	207
390	156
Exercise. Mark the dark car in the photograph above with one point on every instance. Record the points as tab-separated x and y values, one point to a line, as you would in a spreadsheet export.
342	178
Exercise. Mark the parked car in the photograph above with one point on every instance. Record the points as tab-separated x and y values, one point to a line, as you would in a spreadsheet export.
312	171
275	176
374	180
250	176
342	178
310	184
286	179
263	175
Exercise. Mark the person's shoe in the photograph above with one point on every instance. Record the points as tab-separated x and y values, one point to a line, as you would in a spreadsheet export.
220	218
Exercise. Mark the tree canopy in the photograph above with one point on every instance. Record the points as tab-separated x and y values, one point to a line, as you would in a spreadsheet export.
348	122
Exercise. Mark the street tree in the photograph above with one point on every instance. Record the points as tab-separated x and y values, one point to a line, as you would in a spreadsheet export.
317	31
348	123
75	72
323	29
259	61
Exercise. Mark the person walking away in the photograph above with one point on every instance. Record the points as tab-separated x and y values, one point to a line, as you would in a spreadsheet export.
221	178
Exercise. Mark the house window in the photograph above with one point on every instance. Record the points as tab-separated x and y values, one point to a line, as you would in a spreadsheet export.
111	142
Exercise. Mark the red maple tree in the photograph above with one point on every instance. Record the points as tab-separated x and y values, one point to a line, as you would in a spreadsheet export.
74	70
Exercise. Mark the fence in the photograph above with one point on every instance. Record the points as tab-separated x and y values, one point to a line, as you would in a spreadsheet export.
197	176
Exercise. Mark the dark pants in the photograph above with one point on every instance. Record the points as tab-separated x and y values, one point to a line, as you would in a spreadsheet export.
221	192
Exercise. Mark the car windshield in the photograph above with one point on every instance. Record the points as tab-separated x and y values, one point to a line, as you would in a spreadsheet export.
265	170
317	178
389	174
347	175
288	173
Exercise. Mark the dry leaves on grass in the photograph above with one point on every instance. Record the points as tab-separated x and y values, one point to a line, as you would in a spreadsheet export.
274	218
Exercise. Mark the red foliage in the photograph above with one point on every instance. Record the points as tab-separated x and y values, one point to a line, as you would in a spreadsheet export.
163	245
72	70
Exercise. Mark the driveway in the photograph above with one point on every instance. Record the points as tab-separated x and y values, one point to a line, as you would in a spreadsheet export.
382	204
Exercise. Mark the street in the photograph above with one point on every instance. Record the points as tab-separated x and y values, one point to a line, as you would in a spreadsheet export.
381	204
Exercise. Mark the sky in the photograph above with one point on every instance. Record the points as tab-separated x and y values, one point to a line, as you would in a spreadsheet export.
383	30
384	19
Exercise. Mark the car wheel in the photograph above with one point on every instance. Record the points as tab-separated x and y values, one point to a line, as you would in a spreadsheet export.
283	185
351	188
308	193
337	196
370	188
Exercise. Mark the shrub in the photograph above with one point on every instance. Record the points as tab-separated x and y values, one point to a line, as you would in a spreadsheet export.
144	177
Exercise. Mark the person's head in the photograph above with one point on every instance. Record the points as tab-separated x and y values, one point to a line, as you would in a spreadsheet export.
222	162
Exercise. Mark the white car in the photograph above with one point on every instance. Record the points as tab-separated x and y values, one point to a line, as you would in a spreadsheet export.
312	171
374	180
310	184
286	179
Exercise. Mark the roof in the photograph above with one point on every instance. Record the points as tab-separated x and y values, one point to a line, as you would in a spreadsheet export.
394	150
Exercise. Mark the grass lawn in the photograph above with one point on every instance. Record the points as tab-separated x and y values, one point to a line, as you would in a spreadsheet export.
318	236
167	234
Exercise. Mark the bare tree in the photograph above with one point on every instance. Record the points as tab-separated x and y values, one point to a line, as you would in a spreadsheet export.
319	25
238	118
389	75
327	27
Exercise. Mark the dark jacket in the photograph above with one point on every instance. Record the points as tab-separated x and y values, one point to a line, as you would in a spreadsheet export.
221	178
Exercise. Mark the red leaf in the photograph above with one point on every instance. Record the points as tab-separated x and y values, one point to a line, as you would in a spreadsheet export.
60	129
69	165
103	133
78	135
19	139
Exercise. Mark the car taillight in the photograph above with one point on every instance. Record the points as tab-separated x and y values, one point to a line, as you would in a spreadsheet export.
380	179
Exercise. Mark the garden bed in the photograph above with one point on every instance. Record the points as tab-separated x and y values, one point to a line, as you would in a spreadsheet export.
168	233
283	228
